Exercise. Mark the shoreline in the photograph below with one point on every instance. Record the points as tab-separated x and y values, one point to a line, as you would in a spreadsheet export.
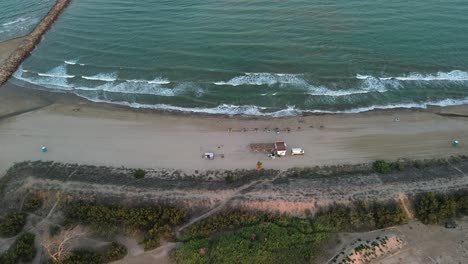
30	41
78	131
65	96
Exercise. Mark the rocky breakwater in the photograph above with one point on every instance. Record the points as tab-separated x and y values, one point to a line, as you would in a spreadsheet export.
11	64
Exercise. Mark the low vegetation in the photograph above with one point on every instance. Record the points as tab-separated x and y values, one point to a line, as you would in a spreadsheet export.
248	237
139	174
382	166
155	222
434	209
32	203
22	250
12	223
116	251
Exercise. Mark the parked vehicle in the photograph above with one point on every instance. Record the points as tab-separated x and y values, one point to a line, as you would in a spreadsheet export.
297	151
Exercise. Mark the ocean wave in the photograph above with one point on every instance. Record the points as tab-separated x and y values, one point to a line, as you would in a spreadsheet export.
455	75
106	77
57	72
366	86
252	110
71	62
421	105
224	109
53	81
134	88
16	21
264	79
156	80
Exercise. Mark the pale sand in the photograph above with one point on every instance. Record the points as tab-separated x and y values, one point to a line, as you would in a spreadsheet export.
8	46
104	135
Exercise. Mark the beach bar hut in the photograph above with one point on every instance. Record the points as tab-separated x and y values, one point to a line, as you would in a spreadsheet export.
280	148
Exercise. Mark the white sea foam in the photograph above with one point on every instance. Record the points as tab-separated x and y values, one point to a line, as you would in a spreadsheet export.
16	21
71	62
156	80
264	79
455	75
54	81
106	77
224	109
134	88
251	110
444	102
57	72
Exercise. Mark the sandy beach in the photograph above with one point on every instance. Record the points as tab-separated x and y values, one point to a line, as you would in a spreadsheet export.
75	130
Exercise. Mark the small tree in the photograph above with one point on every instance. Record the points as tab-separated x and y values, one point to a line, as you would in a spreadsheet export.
12	223
32	203
59	246
117	251
381	166
139	174
259	165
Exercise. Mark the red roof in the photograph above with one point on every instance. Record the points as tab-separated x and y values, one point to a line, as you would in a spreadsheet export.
280	146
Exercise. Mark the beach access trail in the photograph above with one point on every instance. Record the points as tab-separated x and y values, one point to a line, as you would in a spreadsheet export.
81	132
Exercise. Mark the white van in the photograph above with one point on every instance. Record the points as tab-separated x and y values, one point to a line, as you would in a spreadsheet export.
297	151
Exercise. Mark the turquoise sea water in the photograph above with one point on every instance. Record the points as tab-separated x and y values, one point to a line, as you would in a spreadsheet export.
19	17
258	57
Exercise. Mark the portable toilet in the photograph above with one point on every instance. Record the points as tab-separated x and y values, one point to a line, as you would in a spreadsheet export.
44	149
456	143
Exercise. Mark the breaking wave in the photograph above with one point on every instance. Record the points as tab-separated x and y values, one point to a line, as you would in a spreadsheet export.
455	75
224	109
264	79
134	88
106	77
52	79
16	21
252	110
70	62
368	85
57	72
156	80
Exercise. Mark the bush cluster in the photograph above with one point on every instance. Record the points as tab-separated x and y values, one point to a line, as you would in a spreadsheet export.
382	166
362	216
154	221
139	174
116	251
433	209
82	256
251	237
32	203
12	223
22	250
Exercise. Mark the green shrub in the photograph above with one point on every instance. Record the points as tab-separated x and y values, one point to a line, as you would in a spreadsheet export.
83	256
54	230
381	166
432	209
32	203
22	250
115	252
153	221
12	223
389	215
139	174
